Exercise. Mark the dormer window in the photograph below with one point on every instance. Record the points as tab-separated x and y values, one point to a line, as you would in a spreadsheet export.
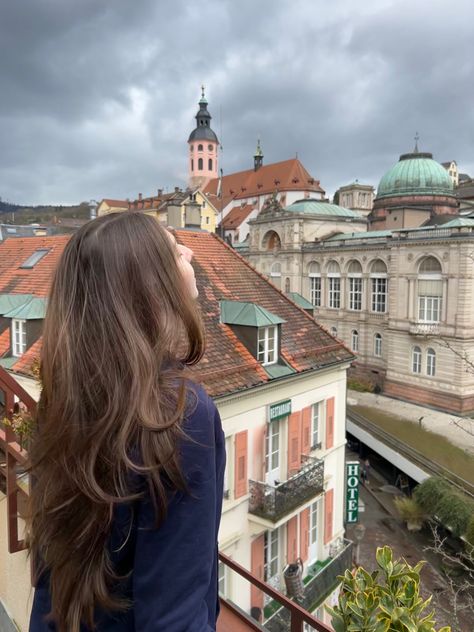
267	346
18	337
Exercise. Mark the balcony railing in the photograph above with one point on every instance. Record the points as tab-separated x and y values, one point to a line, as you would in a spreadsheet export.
296	618
273	502
12	455
424	329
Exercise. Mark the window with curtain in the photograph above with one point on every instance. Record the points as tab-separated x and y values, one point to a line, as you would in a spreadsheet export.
378	345
430	291
416	360
355	341
314	273
354	274
334	285
431	362
378	279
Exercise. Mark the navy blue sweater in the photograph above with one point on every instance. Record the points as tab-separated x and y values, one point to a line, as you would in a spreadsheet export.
173	584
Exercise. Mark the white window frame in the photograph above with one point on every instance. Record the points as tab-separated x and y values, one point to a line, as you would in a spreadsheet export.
334	292
316	425
272	446
355	341
378	345
269	353
271	554
429	309
378	297
430	300
355	293
228	468
18	337
416	360
313	523
431	362
222	579
315	289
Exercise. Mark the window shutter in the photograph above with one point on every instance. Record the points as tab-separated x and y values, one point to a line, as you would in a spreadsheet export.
257	562
259	452
328	515
292	540
306	430
240	464
329	423
294	443
304	534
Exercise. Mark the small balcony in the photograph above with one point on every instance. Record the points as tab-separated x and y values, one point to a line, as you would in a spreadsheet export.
424	329
274	502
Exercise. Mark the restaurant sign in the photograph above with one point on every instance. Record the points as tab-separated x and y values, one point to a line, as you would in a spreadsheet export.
352	491
282	409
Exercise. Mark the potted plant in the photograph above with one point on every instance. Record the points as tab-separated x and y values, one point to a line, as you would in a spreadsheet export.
411	512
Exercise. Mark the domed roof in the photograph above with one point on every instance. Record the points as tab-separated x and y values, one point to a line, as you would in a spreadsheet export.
309	206
203	129
415	174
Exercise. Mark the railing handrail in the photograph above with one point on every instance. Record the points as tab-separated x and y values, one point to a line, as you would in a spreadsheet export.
298	614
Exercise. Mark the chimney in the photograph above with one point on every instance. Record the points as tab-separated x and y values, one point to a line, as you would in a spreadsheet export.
192	215
177	190
174	216
160	192
139	197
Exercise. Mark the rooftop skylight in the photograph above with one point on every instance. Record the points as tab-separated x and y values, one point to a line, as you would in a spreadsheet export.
35	258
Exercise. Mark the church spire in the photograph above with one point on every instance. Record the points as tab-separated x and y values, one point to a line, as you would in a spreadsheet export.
258	157
203	147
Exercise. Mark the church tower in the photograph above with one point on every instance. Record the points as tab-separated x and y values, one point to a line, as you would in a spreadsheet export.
203	146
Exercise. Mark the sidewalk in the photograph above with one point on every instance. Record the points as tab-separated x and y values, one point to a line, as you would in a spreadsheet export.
433	420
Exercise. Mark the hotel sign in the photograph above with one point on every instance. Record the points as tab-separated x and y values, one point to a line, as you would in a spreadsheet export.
282	409
352	491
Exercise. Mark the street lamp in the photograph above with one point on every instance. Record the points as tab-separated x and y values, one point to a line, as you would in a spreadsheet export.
359	532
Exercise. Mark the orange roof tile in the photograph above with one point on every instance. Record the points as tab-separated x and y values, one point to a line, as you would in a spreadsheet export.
116	203
228	366
25	363
287	175
5	341
237	215
15	251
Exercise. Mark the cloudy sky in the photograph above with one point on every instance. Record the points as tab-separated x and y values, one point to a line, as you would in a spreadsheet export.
98	97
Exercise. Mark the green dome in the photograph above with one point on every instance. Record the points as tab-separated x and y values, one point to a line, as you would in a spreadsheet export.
415	174
309	206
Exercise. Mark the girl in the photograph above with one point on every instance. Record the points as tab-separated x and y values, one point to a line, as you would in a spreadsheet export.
128	457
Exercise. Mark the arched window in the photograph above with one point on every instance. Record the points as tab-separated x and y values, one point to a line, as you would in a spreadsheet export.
416	360
192	164
271	241
334	285
287	285
275	274
378	279
354	274
210	148
355	340
209	164
378	346
334	331
200	147
200	164
314	273
431	362
430	291
191	148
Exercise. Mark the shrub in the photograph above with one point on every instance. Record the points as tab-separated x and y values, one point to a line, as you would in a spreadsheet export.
362	386
410	510
438	498
428	493
387	599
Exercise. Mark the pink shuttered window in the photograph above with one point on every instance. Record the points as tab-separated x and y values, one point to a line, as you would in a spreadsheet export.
306	430
328	515
329	423
257	563
294	443
241	459
292	540
304	534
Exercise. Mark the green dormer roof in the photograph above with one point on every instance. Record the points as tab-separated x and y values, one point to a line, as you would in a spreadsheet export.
323	209
247	314
34	309
415	174
300	300
12	301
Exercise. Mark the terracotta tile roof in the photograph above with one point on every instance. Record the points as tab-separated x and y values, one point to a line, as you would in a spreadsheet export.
36	280
116	203
237	215
25	363
288	175
228	366
5	341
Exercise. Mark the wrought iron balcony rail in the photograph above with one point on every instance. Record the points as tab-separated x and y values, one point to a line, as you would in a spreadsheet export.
273	502
297	618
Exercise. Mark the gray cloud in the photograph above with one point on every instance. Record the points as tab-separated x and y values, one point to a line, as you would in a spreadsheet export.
98	98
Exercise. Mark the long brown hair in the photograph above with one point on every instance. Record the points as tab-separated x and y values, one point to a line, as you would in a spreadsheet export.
120	322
